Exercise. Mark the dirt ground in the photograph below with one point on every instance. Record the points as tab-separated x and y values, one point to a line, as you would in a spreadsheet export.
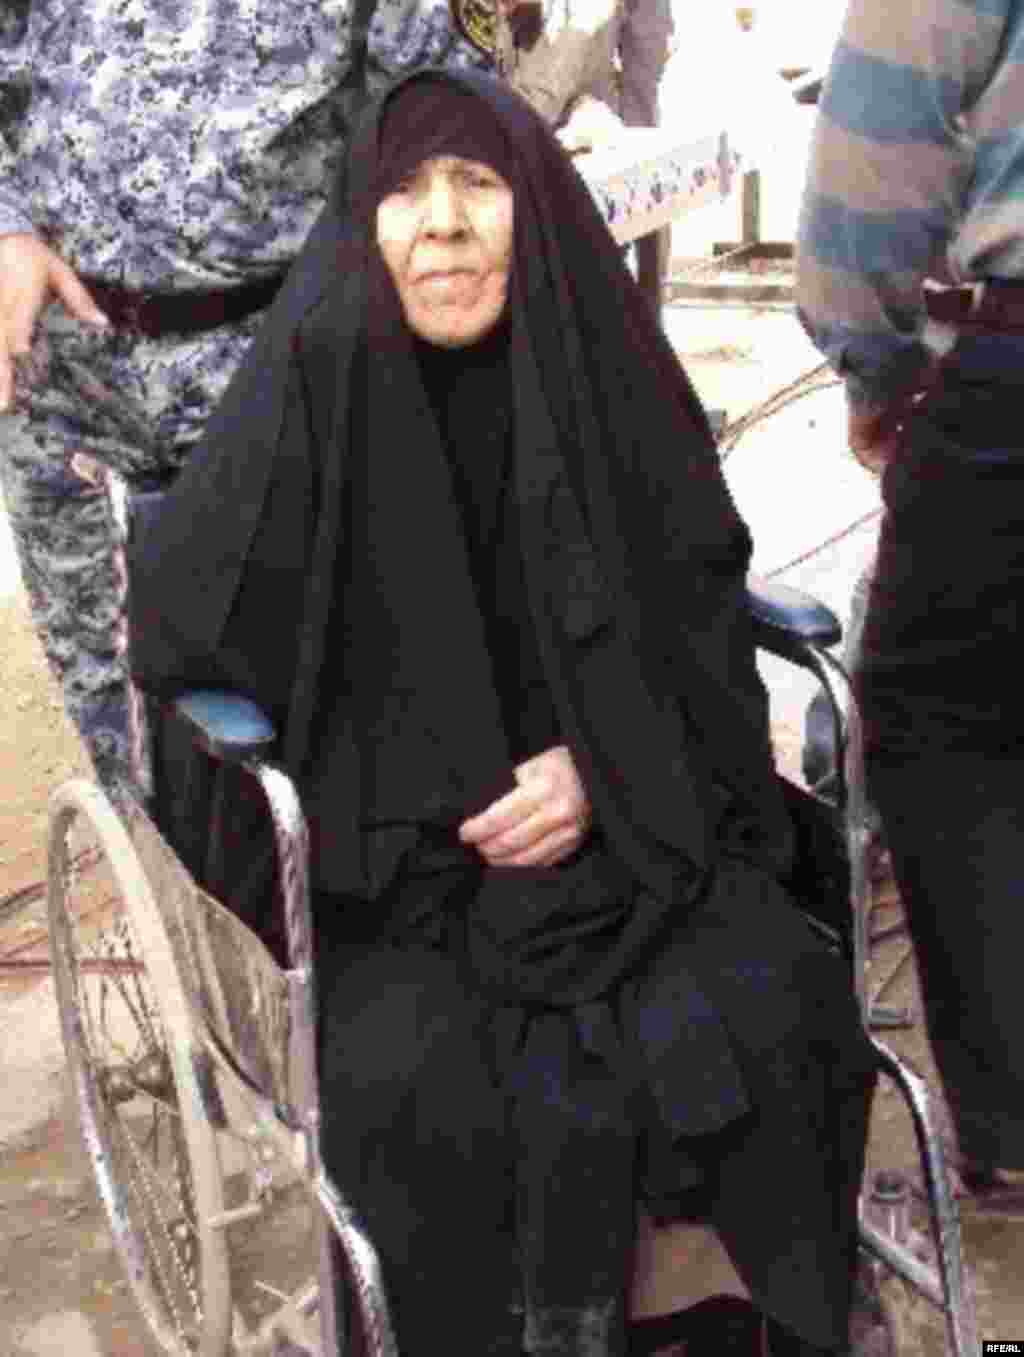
61	1288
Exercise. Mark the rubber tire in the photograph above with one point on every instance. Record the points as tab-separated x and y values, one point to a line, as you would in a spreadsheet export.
84	800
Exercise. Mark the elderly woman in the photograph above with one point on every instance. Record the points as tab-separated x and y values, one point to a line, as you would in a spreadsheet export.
460	526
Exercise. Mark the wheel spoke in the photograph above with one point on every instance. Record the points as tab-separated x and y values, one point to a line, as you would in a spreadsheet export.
155	1165
127	1033
216	1227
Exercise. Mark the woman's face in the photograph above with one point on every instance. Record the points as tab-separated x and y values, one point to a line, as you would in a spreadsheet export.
446	237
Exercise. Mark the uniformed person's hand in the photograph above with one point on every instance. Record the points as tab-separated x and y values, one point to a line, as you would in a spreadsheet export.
539	824
31	275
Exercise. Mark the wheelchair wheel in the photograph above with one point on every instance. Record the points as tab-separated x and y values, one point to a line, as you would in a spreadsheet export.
129	1039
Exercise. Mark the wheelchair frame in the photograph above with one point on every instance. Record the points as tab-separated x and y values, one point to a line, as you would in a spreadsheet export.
795	627
202	1075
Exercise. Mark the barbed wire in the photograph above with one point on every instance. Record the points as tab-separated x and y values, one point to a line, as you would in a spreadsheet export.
836	537
817	378
820	377
713	265
21	899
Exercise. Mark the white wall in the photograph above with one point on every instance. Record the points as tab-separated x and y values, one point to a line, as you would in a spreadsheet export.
719	76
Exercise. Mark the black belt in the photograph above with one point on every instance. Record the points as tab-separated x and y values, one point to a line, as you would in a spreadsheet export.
993	305
155	314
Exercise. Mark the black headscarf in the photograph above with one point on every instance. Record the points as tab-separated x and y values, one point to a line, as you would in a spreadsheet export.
321	552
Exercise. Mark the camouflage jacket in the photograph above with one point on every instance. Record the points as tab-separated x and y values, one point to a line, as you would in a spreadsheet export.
166	145
187	143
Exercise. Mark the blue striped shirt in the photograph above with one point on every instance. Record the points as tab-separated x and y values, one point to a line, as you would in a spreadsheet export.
916	170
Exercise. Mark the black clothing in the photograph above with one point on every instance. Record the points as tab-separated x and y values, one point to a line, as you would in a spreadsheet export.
955	828
513	1057
939	668
470	396
940	693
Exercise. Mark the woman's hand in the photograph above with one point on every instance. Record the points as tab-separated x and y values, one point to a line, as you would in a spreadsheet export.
30	275
541	823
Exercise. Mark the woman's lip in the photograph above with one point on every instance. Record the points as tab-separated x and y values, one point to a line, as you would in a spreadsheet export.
442	273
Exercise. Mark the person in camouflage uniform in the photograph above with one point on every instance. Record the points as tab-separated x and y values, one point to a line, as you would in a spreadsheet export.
163	147
167	148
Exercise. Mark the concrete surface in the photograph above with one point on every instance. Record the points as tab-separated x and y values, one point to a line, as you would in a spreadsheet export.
64	1335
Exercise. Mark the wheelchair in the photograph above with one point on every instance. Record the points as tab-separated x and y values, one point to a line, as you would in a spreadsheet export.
192	1053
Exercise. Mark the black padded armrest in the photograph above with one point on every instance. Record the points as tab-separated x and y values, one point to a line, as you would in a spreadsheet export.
791	614
228	727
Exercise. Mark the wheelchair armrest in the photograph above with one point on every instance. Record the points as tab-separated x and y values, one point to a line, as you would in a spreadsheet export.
784	616
228	727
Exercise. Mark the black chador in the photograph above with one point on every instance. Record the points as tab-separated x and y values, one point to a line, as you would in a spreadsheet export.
430	565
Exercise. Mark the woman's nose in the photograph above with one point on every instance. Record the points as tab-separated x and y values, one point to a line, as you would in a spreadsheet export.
443	210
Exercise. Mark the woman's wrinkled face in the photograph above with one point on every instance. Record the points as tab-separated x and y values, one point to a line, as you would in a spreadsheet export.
446	237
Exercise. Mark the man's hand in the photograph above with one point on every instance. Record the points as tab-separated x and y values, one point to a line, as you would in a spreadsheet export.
591	125
874	437
541	823
30	273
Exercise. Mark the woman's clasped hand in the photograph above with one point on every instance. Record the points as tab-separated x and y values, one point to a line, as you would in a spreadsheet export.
541	823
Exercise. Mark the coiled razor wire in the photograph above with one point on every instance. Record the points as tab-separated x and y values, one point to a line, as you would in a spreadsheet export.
818	378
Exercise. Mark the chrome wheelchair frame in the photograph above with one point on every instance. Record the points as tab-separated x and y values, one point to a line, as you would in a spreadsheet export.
795	627
192	1052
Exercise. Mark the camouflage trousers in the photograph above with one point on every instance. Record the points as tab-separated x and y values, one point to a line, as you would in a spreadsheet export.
138	406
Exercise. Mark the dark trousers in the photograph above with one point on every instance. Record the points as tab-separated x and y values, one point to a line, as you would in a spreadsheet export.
955	829
943	704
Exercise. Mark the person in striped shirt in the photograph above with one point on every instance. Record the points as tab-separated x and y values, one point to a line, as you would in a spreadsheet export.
911	282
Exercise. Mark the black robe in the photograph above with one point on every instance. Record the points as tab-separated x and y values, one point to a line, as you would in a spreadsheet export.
513	1059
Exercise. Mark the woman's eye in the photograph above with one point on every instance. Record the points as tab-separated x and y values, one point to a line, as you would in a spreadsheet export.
476	180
